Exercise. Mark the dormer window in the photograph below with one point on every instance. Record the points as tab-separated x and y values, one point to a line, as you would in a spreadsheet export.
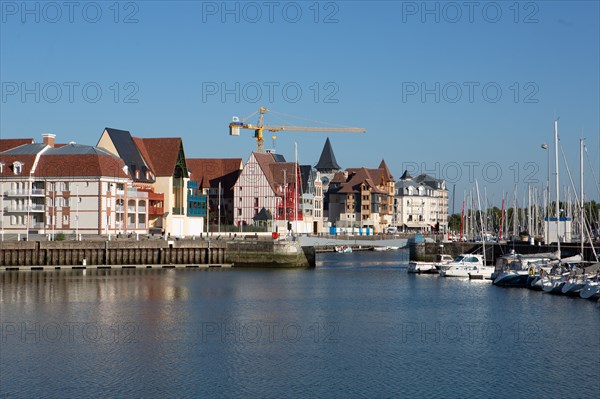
137	174
17	168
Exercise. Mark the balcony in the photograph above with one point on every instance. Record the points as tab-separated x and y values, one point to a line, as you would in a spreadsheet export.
36	225
156	210
35	192
131	209
141	209
156	196
133	193
24	208
178	211
119	208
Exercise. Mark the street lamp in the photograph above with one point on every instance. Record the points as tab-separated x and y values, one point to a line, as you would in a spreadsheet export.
546	235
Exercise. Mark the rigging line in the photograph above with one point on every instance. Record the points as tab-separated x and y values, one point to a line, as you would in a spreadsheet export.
591	168
252	114
309	120
578	205
284	122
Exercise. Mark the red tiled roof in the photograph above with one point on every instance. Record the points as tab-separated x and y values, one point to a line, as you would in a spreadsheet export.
362	175
273	170
7	144
339	177
91	165
277	172
159	153
265	161
383	166
208	172
9	160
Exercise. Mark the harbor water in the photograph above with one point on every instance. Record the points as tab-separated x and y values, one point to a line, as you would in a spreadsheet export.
355	326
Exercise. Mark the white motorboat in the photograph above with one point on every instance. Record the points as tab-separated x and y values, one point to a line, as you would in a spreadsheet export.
386	248
482	273
463	265
429	267
343	249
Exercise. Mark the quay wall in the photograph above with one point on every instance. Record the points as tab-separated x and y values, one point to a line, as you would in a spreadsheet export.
155	252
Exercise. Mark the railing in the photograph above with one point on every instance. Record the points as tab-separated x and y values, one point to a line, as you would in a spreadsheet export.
25	208
131	225
156	196
37	225
131	209
119	208
26	193
141	209
178	211
137	194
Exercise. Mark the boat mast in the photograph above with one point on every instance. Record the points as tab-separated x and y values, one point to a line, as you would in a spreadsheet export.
581	206
501	220
557	205
481	221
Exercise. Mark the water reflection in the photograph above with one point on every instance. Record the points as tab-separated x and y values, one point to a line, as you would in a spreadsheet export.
356	326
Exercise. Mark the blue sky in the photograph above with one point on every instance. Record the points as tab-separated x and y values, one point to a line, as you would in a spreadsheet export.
459	92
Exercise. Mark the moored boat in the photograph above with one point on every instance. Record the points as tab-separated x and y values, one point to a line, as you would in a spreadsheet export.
592	289
343	249
462	265
515	270
429	267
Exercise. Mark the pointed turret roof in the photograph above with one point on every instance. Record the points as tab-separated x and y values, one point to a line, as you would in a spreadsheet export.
386	170
327	160
405	175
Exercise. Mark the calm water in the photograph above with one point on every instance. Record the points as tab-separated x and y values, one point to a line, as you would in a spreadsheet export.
356	326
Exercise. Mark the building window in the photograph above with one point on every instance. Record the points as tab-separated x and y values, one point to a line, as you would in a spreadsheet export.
17	168
65	219
239	211
13	220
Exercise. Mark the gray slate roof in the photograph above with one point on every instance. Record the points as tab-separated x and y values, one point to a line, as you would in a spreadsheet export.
77	149
327	160
27	149
128	152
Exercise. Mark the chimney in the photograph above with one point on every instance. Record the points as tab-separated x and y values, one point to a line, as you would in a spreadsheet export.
49	139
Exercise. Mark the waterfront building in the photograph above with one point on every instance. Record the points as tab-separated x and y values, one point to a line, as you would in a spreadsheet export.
311	203
216	177
49	188
362	197
421	204
267	181
160	163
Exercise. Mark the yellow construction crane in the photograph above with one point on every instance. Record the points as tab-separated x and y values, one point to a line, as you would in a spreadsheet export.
236	125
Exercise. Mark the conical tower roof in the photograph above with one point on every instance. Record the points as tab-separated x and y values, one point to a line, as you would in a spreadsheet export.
327	160
386	170
405	176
